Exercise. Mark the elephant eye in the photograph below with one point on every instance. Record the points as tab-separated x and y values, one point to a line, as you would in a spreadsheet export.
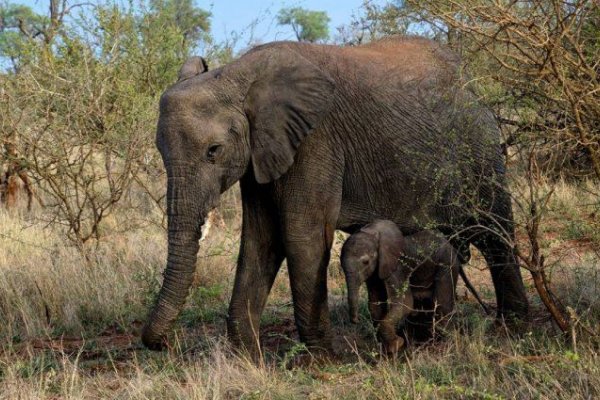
213	151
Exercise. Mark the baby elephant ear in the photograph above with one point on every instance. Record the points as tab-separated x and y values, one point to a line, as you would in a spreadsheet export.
391	248
193	66
288	99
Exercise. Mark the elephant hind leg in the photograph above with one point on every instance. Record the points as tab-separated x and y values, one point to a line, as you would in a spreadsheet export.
506	274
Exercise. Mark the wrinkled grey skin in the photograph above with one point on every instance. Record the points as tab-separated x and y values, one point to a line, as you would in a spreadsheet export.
399	271
323	138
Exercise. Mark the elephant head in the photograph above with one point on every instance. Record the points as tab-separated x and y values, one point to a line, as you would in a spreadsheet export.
376	248
248	117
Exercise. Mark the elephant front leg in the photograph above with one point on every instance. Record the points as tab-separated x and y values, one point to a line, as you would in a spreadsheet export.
256	272
400	304
377	299
308	258
259	260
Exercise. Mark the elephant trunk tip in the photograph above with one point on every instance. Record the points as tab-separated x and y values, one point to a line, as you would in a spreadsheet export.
354	316
151	340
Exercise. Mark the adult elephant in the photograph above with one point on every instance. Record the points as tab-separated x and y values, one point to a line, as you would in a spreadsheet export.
323	138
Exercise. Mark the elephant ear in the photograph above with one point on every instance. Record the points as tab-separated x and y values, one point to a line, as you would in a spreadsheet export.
289	97
193	66
391	248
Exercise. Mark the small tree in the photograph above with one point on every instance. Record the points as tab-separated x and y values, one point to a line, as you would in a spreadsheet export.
192	22
309	26
79	111
18	24
536	63
540	58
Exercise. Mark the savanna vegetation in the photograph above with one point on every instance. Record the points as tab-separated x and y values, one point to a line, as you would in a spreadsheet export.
83	226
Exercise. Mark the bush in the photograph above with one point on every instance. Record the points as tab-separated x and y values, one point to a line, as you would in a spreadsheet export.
81	104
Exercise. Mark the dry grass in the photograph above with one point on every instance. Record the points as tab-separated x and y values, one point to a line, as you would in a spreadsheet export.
69	326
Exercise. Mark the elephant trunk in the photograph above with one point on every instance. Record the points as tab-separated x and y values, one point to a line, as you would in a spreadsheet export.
181	264
353	290
185	221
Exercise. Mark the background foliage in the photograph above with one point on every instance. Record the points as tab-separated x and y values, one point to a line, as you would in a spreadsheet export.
308	26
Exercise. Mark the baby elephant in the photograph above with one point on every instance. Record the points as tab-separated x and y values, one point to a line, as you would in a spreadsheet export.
399	271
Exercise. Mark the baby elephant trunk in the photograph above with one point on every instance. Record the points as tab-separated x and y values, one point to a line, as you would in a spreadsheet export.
353	289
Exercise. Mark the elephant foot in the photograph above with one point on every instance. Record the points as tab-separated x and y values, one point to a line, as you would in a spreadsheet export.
245	345
317	343
322	348
312	359
152	341
512	326
515	314
392	347
317	352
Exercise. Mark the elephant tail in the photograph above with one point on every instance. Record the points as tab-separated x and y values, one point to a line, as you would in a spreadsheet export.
471	288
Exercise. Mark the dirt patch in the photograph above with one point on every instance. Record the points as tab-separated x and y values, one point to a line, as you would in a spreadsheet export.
279	337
